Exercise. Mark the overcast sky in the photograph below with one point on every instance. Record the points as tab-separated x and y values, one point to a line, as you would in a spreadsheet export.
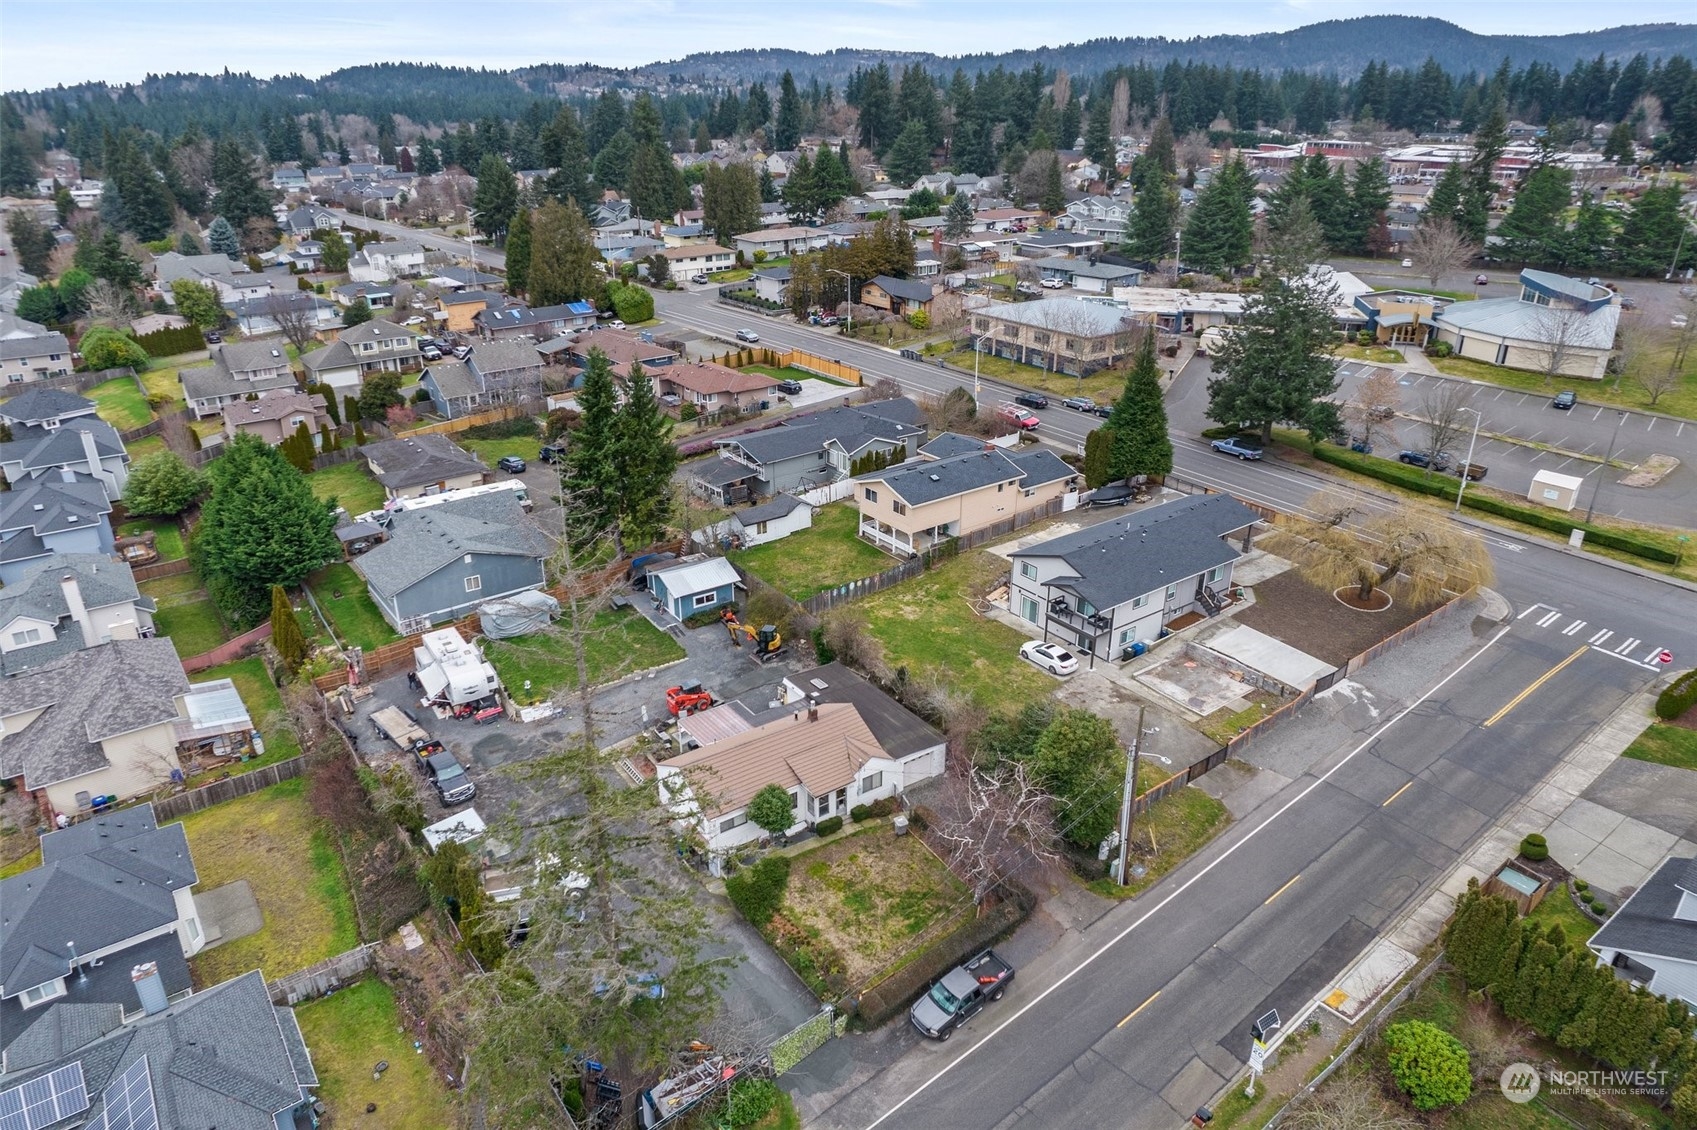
47	42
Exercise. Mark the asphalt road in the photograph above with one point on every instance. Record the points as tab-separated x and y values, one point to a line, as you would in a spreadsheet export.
430	238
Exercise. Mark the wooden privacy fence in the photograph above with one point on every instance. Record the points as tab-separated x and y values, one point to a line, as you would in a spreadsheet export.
1437	615
161	569
461	423
866	586
331	973
332	458
790	359
82	382
230	649
193	800
154	427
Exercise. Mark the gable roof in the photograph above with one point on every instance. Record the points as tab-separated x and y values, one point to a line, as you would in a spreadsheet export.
419	459
509	317
423	541
1040	466
951	443
376	330
467	297
922	482
708	378
86	697
1645	923
38	405
621	348
1526	321
898	730
275	407
39	593
683	578
491	357
452	379
778	506
853	427
336	355
908	290
820	756
36	447
40	345
51	506
1138	553
249	356
1066	315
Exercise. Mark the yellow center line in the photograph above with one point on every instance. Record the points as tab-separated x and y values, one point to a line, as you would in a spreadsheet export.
1138	1009
1282	889
1540	681
1396	794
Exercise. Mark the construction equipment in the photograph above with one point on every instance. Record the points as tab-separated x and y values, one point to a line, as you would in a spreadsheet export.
687	699
768	645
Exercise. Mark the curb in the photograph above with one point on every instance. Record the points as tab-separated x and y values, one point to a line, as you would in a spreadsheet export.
1635	570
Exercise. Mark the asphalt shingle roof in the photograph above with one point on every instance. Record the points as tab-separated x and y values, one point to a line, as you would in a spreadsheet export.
420	459
452	379
920	483
425	540
898	730
491	357
1063	315
336	355
951	443
22	348
63	506
36	447
378	329
778	506
852	427
40	594
908	290
38	405
1645	923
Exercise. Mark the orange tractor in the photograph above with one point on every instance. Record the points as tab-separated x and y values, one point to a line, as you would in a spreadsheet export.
768	645
687	699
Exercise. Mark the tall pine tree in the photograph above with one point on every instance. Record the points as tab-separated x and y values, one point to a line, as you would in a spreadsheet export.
645	459
1138	423
518	252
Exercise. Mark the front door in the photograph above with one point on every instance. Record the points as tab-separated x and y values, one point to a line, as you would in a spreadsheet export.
842	799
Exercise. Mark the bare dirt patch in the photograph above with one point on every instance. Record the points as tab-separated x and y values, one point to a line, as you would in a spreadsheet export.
1295	612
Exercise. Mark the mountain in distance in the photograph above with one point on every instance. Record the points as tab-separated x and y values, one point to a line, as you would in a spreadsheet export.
1341	47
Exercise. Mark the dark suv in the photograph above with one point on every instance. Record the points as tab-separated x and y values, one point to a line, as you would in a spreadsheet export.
1421	459
1032	400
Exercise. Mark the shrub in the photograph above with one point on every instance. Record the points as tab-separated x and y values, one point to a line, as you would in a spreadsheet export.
884	806
750	1100
822	650
688	412
1680	696
829	826
1365	337
1439	349
517	427
1429	1065
164	343
759	891
1534	848
860	812
420	396
1599	909
772	809
1581	885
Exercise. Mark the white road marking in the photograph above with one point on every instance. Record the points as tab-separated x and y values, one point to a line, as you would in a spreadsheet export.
1599	637
1573	628
1549	619
1599	413
1628	659
1631	642
1533	609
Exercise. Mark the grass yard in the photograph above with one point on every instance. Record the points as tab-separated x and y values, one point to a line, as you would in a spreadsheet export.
927	626
167	536
142	448
120	403
1557	909
29	860
1224	725
1104	387
354	1028
162	384
1665	744
618	642
271	839
350	485
787	373
1376	354
821	557
1174	828
1625	392
734	274
489	450
355	617
856	906
193	625
264	706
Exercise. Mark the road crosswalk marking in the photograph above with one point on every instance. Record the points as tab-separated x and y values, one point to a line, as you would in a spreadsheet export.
1600	637
1550	618
1573	628
1627	648
1631	642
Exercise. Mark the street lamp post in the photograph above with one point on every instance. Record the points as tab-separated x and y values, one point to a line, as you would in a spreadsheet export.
848	278
470	244
1468	466
1620	418
977	352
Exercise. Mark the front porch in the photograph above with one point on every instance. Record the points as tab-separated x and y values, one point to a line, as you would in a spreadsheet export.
901	544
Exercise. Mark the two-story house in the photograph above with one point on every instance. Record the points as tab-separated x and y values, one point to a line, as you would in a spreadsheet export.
900	297
239	369
497	372
383	262
781	241
34	358
45	408
1063	335
41	517
1100	216
910	508
696	259
1108	586
460	308
66	602
1652	939
86	445
817	448
371	347
261	316
303	221
276	417
231	279
420	465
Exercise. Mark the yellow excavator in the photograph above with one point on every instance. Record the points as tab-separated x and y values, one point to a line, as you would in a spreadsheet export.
768	645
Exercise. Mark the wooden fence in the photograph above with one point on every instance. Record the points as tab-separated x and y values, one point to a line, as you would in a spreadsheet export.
154	427
790	359
461	423
229	788
230	649
341	455
161	569
823	602
1436	616
82	382
331	973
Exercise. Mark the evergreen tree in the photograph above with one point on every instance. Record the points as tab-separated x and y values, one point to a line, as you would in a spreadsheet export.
1162	151
357	313
497	196
222	240
613	162
566	152
768	187
1098	447
1098	145
910	157
187	244
1535	229
161	485
589	476
607	120
335	250
563	260
1444	201
834	180
32	241
240	199
1621	146
730	201
429	163
518	252
1154	216
1591	241
657	189
286	634
1278	369
298	448
973	150
645	459
1071	120
1220	233
756	108
957	221
786	131
1054	195
1138	423
1369	201
878	123
1652	233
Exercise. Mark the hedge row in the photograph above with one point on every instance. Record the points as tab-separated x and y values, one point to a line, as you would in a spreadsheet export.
759	891
1678	698
169	343
1413	478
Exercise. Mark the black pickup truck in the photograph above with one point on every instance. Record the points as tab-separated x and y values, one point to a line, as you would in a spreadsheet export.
453	784
959	994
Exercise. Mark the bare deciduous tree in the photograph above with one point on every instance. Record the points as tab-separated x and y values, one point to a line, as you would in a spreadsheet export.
1341	542
995	822
1558	335
1438	248
1347	1101
295	317
108	304
1121	110
848	632
1376	400
178	437
1448	410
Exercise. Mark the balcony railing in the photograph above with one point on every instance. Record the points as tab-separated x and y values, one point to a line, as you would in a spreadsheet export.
1097	624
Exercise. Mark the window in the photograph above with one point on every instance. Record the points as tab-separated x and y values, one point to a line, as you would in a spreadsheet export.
871	495
1027	569
704	600
1214	573
27	636
1039	337
872	782
898	507
760	527
1128	636
1028	609
731	823
1140	601
43	992
1172	591
474	583
194	929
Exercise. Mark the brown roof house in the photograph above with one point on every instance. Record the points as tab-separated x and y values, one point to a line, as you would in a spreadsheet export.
274	418
897	296
621	349
712	388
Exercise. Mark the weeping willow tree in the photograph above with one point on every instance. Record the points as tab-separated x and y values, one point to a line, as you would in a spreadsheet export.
1340	542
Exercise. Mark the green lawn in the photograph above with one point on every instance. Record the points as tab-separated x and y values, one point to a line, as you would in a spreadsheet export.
271	839
161	383
121	404
167	536
1174	828
927	626
264	706
735	274
1103	387
1376	354
142	448
350	485
1665	744
355	1028
821	557
1558	909
1680	401
618	643
354	615
490	450
193	625
179	589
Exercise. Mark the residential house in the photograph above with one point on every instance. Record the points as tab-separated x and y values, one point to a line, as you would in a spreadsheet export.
940	183
1090	276
917	746
85	445
712	387
453	388
41	517
34	358
65	602
775	214
724	481
693	584
461	307
1108	586
538	324
825	756
320	175
817	448
910	508
609	212
622	348
304	221
776	518
239	369
45	408
382	262
99	722
926	265
1005	220
1102	217
420	465
12	289
261	316
772	284
1064	335
225	1056
454	279
442	561
684	235
231	279
275	418
1041	244
378	296
1652	939
778	241
697	259
900	297
1555	325
381	346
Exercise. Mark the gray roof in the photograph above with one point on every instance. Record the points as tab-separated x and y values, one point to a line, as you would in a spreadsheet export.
1645	923
923	482
35	448
100	882
908	290
510	316
466	297
42	345
51	506
1040	466
1527	321
1056	239
1066	315
1142	552
336	355
171	266
1083	268
452	379
250	356
85	698
781	274
419	459
378	329
224	1057
423	541
490	357
99	992
951	443
721	472
1575	289
778	506
850	426
213	381
40	595
38	405
900	731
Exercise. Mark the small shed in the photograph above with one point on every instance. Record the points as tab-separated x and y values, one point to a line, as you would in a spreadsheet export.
694	585
1525	891
1554	490
777	517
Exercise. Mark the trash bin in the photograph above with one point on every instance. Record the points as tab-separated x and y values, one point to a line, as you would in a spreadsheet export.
1202	1117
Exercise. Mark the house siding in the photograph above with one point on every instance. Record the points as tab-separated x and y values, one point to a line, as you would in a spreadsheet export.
139	762
419	490
443	596
895	778
1129	624
682	605
800	518
960	514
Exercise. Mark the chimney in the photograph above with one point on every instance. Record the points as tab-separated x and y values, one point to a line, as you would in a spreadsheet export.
79	611
149	988
813	707
90	453
67	474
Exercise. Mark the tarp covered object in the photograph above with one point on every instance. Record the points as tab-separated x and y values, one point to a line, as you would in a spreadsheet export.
517	615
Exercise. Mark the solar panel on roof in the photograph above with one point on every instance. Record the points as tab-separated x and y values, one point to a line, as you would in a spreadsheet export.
129	1100
41	1102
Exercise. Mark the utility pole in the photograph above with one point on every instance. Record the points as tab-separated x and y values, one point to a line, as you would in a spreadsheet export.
1468	466
1620	418
1125	802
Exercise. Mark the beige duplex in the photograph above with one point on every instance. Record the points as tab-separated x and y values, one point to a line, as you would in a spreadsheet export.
957	486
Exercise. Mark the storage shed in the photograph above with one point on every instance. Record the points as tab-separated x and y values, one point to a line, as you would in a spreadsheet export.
1558	491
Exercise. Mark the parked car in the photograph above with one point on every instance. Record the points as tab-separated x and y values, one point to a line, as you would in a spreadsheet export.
1018	417
430	353
1565	399
1103	410
1028	288
1680	321
461	352
512	464
616	324
453	785
958	995
747	335
1052	657
552	452
1408	262
213	337
1481	280
790	388
1441	462
415	320
1053	284
698	279
1032	400
1079	404
1236	447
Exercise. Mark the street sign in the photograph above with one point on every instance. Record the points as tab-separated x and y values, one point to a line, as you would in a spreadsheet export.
1266	1026
1664	656
1257	1057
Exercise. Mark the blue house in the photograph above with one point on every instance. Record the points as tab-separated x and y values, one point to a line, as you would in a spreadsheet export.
694	585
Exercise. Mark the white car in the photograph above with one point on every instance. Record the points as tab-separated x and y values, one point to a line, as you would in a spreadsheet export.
1052	657
1408	262
413	321
747	335
1052	284
1680	321
615	324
